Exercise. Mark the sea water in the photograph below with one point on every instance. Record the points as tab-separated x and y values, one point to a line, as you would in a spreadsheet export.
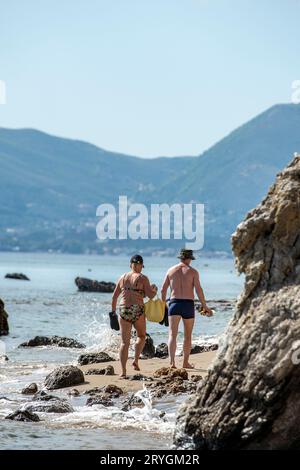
49	304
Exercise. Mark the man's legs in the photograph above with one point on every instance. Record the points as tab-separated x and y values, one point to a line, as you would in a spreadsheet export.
140	326
125	327
188	324
173	331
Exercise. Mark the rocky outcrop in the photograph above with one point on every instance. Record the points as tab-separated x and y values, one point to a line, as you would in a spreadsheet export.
23	415
64	376
18	276
4	328
87	285
173	382
94	358
251	396
59	341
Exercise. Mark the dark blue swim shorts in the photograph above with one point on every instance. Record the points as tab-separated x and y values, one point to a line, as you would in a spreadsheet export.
183	307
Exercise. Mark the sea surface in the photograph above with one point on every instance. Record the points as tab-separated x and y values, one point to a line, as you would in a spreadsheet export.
50	304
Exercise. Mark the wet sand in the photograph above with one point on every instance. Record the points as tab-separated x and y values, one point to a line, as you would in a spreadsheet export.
201	362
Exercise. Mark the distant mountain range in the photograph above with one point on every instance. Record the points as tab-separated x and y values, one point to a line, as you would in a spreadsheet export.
51	186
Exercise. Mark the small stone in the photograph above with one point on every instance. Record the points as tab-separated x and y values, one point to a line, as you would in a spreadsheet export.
30	389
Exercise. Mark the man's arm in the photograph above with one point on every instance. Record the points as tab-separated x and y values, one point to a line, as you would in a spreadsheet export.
164	288
200	293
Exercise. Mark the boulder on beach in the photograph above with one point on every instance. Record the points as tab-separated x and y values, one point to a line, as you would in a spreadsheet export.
64	376
94	358
4	328
200	348
250	398
59	341
88	285
23	415
109	370
162	350
44	403
18	276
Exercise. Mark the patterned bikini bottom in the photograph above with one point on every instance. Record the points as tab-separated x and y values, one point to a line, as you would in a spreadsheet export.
132	313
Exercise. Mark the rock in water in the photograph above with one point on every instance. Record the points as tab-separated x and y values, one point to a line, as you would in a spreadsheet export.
59	341
64	376
251	396
44	403
23	415
18	276
88	285
30	389
4	329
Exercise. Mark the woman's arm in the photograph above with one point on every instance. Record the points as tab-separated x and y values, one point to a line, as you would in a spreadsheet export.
150	291
115	296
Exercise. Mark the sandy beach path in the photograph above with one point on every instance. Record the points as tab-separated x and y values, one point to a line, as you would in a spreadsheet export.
148	366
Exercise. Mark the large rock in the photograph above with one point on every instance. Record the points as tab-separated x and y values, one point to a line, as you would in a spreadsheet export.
4	328
88	285
18	276
94	358
64	376
251	396
60	341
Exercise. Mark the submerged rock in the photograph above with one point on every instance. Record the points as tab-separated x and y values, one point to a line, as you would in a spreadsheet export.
18	276
87	285
94	358
44	403
23	415
60	341
4	328
250	398
30	389
64	376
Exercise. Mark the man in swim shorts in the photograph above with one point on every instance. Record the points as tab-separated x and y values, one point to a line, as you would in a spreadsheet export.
183	280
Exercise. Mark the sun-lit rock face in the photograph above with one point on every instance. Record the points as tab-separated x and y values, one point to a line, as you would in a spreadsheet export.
251	396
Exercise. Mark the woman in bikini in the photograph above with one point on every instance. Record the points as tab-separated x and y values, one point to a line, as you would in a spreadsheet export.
133	287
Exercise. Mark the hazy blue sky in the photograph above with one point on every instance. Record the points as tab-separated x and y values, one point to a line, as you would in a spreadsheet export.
146	77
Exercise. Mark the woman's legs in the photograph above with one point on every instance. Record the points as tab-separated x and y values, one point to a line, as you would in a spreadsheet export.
125	327
173	331
140	326
188	324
